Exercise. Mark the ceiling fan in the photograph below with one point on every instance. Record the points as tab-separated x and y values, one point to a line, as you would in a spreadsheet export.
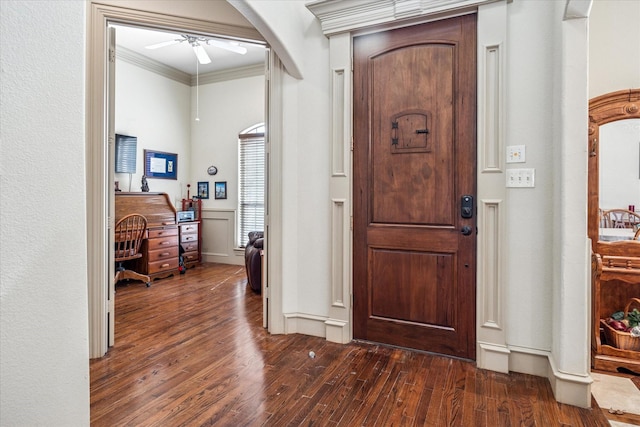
197	42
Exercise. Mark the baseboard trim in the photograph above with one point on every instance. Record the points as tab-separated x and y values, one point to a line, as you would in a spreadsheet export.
306	324
223	259
493	357
570	389
337	331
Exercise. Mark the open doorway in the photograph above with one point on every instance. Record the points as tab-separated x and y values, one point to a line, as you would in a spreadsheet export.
100	190
188	95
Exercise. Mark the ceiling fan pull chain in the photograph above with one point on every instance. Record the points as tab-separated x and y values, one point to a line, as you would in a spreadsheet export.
197	91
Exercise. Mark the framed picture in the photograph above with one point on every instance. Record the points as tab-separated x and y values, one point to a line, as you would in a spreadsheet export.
221	190
203	190
158	164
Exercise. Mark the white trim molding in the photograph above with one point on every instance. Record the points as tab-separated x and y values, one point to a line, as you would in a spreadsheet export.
339	16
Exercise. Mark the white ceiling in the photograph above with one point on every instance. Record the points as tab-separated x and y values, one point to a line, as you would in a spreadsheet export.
181	55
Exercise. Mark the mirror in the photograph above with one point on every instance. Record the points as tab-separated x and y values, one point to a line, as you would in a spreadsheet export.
614	156
620	164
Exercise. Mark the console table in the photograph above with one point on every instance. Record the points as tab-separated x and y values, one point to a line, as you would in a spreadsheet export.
160	247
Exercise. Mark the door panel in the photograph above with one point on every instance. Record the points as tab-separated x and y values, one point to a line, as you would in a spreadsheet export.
414	159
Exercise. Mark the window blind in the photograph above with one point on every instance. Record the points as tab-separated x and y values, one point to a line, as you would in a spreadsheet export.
251	188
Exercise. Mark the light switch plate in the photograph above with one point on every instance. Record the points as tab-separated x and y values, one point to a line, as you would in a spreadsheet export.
516	154
520	178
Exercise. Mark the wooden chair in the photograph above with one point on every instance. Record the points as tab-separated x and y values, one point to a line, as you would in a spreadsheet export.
130	231
619	218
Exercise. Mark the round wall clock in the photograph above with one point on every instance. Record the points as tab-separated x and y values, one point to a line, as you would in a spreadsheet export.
212	170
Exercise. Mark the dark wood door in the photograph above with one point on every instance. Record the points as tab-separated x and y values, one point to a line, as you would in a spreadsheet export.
414	161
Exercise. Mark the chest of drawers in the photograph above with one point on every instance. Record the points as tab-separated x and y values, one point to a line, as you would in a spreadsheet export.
190	242
160	257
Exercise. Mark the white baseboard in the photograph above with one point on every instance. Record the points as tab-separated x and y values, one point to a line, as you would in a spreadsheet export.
570	389
223	259
306	324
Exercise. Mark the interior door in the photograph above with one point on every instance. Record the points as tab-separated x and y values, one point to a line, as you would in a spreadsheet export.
414	187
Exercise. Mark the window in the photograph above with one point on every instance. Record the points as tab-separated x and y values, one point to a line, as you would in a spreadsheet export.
251	182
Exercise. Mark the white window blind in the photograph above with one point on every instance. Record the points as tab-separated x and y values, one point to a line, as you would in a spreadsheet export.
251	180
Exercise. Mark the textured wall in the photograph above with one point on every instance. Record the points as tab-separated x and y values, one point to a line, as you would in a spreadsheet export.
44	357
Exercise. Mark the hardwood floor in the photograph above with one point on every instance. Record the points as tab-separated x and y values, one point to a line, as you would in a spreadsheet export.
191	351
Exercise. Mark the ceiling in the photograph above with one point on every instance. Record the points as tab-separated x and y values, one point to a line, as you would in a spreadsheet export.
181	55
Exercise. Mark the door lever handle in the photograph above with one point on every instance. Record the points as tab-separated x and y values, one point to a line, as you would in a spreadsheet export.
466	230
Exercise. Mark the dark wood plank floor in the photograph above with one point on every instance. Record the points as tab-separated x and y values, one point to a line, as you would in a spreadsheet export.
191	351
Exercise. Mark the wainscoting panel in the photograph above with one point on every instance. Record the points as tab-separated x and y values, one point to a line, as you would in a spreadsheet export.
491	127
218	237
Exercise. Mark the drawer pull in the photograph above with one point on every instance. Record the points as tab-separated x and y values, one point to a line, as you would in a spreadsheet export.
165	265
165	243
165	254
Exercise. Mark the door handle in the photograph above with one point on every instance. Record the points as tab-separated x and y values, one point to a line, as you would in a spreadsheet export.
466	230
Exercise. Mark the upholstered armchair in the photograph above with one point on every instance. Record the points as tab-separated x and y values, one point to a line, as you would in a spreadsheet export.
253	260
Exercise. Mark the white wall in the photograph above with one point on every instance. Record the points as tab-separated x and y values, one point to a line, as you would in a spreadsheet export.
614	46
157	110
226	109
306	202
44	350
528	224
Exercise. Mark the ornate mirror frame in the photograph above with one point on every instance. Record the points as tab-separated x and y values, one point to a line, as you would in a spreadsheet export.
607	108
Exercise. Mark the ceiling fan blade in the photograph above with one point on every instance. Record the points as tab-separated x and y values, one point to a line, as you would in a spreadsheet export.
201	54
228	46
163	44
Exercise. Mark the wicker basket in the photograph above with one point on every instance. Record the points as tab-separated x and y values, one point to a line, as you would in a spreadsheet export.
619	339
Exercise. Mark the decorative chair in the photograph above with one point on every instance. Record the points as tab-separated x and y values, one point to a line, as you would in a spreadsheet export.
620	218
129	233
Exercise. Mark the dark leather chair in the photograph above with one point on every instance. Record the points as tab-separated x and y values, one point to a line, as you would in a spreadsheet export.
253	260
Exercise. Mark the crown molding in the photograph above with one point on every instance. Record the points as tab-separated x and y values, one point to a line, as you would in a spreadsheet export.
230	74
339	16
154	66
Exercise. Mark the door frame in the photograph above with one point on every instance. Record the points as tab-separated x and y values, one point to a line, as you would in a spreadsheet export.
99	194
340	23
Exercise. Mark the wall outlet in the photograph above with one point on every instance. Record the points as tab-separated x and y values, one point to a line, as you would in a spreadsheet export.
519	178
516	154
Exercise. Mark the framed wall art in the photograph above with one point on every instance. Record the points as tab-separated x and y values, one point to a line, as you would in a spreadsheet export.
221	190
158	164
203	190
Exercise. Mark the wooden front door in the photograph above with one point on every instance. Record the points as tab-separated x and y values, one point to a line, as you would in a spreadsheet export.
414	164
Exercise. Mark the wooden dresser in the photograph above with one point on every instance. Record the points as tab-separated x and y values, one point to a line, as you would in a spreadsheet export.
190	241
191	233
160	248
